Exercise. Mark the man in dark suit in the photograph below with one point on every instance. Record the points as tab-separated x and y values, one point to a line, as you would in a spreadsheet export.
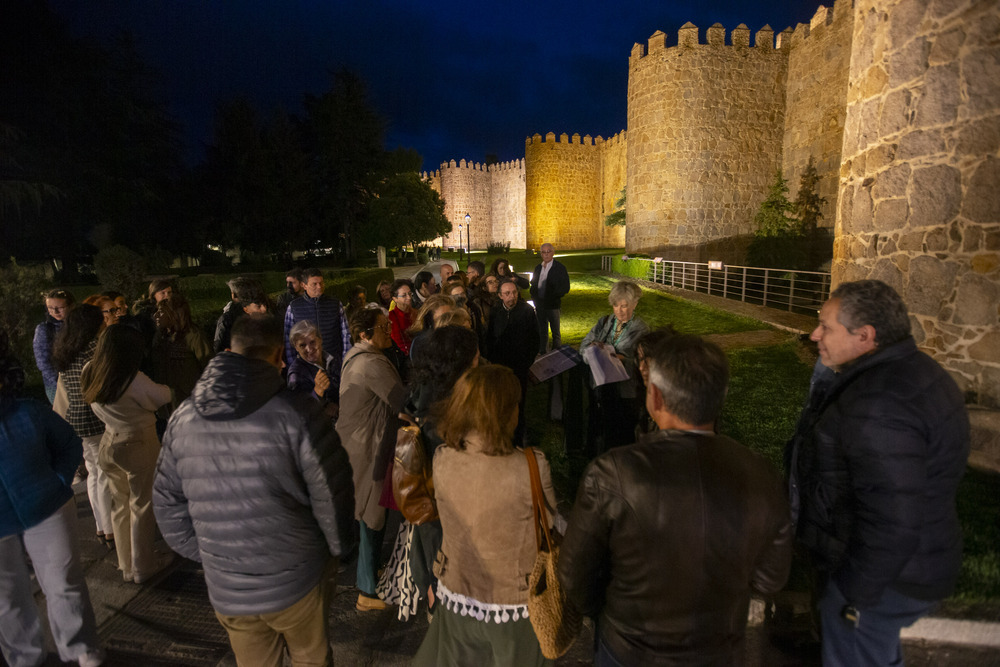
549	284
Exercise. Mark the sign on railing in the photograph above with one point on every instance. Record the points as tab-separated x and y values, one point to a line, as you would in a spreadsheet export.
788	289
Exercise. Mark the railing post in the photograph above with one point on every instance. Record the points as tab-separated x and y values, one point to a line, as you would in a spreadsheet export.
743	293
791	293
767	274
725	281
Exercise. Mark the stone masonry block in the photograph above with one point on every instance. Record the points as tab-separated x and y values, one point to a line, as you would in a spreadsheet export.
904	21
940	97
930	284
981	73
982	200
910	63
976	301
935	196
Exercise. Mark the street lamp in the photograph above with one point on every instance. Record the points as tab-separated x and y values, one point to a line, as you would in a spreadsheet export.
468	232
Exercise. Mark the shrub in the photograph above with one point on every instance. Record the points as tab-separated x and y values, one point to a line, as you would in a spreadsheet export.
21	290
214	259
633	267
497	248
122	270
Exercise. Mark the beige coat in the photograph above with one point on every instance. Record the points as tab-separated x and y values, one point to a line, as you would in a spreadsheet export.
484	503
371	396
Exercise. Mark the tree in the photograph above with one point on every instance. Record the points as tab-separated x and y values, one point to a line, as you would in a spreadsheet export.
772	219
347	136
20	293
617	217
121	270
778	241
92	128
405	210
808	202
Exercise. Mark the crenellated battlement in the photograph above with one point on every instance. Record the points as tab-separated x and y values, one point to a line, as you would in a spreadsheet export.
510	165
825	17
688	35
715	37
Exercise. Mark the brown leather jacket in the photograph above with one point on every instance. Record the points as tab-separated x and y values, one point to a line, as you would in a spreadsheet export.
666	540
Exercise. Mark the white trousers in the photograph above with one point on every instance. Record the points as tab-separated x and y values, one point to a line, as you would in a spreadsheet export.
53	548
97	486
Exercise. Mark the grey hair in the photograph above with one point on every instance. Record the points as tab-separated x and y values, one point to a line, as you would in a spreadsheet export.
625	289
876	303
303	328
692	375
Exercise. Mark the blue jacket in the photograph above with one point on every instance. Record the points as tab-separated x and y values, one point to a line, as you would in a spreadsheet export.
39	453
45	338
328	316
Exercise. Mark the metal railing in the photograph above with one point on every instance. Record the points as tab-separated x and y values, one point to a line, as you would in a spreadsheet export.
788	289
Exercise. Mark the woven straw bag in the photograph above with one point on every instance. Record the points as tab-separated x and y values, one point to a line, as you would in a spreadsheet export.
556	623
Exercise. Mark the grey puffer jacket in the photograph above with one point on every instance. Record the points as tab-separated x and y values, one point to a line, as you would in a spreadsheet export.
253	483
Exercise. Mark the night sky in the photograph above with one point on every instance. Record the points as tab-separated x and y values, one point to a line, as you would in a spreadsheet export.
452	79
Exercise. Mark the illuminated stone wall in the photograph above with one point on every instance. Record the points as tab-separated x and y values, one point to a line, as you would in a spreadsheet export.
507	206
612	183
819	56
920	182
705	125
562	191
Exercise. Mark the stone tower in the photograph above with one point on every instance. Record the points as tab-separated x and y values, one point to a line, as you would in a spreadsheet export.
705	124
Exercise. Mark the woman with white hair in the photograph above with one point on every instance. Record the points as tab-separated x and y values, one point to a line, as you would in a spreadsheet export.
312	369
614	407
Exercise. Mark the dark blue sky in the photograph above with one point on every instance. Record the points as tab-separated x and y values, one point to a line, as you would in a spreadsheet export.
453	79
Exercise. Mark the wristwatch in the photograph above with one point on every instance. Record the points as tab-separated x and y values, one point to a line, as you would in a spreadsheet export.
850	614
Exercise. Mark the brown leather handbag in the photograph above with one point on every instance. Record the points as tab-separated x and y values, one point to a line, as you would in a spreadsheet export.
412	484
556	622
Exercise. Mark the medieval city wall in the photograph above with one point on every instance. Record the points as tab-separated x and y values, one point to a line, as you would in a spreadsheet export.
816	100
613	154
705	126
507	203
920	182
562	191
466	188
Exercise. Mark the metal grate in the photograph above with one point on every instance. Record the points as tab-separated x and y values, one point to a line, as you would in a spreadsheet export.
171	624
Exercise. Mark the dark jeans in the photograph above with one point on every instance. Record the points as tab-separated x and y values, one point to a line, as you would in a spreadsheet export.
876	639
547	318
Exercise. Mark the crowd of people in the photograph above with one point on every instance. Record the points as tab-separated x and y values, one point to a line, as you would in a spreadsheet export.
268	457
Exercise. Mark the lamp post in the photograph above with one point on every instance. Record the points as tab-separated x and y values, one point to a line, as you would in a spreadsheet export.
468	232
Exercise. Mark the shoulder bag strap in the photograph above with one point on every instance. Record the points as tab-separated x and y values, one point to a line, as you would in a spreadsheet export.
538	503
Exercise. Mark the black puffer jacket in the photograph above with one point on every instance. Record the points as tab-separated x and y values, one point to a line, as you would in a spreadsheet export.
875	467
252	481
666	541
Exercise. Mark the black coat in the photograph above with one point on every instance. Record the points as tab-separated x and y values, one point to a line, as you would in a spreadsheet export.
666	541
556	286
513	337
875	467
